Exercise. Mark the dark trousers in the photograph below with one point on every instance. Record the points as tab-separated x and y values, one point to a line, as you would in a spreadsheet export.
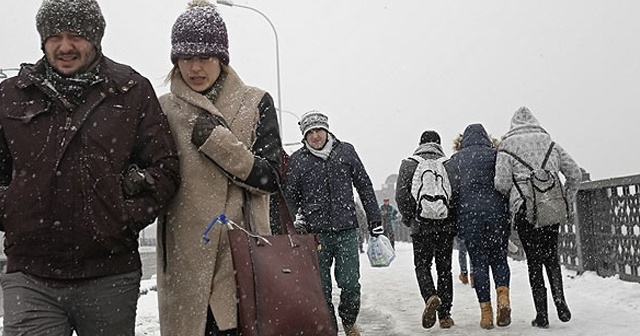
541	249
102	306
426	247
342	248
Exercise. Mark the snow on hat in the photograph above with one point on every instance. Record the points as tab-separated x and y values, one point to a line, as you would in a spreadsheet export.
311	120
200	31
429	136
82	17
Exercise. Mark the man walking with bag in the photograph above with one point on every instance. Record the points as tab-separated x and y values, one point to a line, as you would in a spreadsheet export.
87	161
319	184
432	231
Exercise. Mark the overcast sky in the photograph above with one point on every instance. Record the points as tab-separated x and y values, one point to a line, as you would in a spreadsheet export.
385	70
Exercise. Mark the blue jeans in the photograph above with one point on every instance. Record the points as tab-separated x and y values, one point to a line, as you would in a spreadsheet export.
488	251
104	306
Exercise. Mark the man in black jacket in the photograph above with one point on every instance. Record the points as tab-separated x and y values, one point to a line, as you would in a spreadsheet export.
431	238
319	185
86	162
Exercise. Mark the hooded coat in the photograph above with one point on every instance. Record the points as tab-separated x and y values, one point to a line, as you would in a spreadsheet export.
234	163
407	203
529	141
471	174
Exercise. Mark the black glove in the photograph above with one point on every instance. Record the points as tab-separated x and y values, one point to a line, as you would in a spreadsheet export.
375	229
137	180
205	123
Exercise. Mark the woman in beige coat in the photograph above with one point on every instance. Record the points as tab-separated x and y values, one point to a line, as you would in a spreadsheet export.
229	146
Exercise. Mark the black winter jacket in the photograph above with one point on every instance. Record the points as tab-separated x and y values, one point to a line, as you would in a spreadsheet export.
407	203
323	189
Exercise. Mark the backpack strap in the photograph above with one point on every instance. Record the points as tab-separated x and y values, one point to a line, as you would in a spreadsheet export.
524	163
546	157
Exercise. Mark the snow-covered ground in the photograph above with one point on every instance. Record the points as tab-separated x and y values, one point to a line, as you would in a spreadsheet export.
390	296
599	306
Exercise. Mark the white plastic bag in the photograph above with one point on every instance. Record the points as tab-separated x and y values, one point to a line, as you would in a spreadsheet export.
380	251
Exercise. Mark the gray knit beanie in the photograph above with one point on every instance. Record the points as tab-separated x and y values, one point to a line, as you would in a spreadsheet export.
200	31
82	17
312	120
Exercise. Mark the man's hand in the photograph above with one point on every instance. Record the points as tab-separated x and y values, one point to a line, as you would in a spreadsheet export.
205	123
375	229
136	180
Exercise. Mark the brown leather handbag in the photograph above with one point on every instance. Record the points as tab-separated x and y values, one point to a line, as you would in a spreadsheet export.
278	283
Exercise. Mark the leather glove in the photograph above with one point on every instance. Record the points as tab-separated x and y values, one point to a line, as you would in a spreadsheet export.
375	229
137	180
205	123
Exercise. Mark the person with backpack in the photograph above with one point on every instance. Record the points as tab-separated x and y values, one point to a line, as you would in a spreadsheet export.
319	184
422	196
482	217
527	167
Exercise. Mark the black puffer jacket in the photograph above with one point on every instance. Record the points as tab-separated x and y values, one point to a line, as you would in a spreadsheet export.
471	172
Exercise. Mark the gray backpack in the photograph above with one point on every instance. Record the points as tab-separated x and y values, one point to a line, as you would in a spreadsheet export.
546	204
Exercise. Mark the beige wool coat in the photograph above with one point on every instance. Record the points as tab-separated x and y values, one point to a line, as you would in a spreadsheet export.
192	274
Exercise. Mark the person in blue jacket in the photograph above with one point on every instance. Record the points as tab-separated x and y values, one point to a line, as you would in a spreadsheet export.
319	186
482	215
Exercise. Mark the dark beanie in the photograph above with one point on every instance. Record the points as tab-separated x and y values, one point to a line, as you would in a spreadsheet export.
200	31
82	17
429	136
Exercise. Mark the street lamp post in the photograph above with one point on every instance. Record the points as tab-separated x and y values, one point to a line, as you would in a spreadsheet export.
230	3
4	75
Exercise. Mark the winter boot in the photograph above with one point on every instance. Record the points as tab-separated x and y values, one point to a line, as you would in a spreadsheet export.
503	311
564	314
351	330
540	302
541	321
464	278
446	323
429	313
557	292
486	315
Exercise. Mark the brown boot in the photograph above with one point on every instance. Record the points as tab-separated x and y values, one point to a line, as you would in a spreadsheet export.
463	278
351	330
486	315
503	311
446	323
429	313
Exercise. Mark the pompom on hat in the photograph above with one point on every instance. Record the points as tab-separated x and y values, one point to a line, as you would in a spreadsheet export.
311	120
83	17
200	31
